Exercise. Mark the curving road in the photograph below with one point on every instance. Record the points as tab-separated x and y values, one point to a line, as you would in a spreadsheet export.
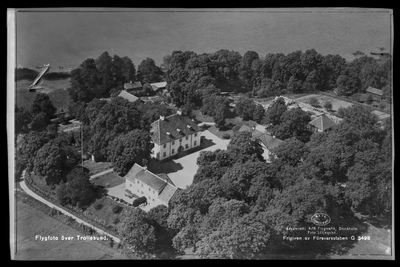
51	205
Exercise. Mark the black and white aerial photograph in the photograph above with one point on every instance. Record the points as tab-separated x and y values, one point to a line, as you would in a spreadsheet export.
200	134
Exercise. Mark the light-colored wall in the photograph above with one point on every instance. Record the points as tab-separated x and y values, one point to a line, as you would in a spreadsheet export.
172	147
151	195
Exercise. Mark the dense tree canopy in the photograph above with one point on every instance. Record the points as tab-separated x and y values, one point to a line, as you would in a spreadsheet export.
249	110
96	78
149	71
77	189
137	232
23	117
109	119
239	206
294	123
127	149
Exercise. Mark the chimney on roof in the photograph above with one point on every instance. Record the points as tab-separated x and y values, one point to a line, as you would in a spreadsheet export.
254	127
179	112
162	118
188	126
179	130
169	134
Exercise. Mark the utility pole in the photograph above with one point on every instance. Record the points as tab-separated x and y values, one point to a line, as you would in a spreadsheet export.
82	143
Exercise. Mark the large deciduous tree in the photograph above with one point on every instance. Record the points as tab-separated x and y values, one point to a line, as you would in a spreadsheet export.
42	103
274	112
77	189
23	117
243	148
149	71
137	232
127	149
30	144
294	123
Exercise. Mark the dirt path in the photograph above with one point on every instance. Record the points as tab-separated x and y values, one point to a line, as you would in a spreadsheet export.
101	173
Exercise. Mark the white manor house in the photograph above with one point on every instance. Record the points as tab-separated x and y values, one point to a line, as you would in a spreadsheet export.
173	134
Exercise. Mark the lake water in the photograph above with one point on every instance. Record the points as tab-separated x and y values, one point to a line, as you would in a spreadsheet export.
67	38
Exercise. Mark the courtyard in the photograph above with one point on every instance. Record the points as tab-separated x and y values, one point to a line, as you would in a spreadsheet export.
182	170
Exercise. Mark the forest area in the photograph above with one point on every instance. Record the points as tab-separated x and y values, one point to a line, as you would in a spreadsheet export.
239	206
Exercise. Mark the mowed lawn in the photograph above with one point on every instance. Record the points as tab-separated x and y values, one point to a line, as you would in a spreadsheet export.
31	222
96	167
108	180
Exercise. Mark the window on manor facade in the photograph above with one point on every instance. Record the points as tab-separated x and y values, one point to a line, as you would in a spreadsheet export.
173	151
187	137
165	145
173	142
195	134
195	143
186	146
164	154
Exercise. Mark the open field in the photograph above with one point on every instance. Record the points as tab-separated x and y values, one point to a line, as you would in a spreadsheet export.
336	103
55	89
31	222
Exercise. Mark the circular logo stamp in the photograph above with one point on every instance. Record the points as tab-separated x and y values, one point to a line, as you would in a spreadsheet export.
320	219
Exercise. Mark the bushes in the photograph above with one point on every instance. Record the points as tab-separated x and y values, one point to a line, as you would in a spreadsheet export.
117	209
226	136
139	201
98	206
313	101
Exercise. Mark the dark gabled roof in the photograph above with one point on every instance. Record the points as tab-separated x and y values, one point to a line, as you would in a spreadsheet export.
374	91
135	85
170	125
322	122
268	140
165	177
128	96
167	193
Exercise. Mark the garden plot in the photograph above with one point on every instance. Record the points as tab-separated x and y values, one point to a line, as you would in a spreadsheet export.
336	102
